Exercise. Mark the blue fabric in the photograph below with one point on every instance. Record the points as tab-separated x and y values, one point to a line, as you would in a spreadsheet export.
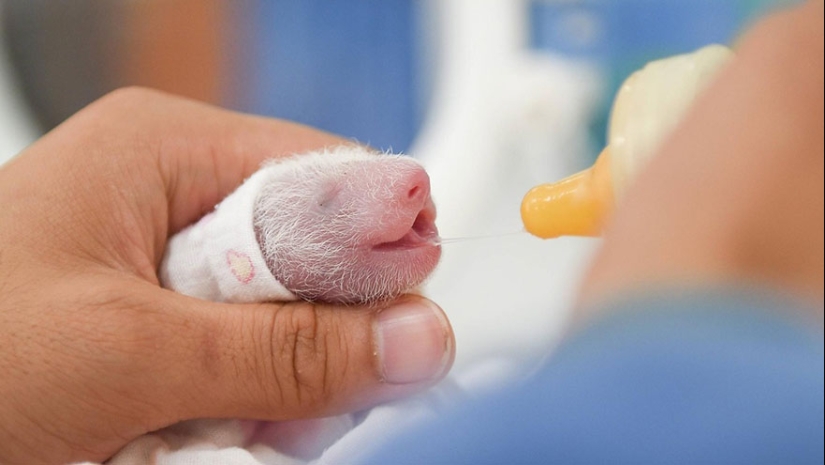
348	67
705	378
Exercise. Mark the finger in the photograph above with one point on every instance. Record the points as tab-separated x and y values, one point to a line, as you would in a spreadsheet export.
296	360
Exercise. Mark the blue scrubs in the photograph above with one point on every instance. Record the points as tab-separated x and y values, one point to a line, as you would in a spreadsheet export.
721	377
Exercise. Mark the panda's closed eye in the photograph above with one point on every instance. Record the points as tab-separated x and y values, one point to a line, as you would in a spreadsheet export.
329	198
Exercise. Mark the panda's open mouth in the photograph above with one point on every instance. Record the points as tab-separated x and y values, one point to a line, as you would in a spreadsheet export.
421	233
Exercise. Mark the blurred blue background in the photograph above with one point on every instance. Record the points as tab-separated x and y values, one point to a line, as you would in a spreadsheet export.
364	69
354	67
622	35
347	67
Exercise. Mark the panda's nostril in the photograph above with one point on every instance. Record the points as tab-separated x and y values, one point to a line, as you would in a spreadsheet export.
413	192
417	187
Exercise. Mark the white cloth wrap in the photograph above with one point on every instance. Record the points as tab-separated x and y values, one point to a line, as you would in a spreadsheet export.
219	257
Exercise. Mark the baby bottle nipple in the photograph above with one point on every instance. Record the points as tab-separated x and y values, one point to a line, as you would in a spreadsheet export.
648	106
574	206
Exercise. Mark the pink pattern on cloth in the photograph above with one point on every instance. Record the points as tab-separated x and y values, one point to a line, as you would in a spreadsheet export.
240	265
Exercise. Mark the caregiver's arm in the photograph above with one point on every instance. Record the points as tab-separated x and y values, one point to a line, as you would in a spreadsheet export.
737	191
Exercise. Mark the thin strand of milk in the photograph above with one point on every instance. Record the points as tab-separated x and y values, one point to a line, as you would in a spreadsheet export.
450	240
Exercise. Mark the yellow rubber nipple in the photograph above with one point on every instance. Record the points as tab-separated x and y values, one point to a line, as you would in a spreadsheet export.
574	206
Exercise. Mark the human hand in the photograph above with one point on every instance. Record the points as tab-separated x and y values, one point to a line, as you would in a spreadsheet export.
95	353
736	193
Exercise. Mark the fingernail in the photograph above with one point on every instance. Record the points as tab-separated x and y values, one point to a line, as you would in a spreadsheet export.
413	341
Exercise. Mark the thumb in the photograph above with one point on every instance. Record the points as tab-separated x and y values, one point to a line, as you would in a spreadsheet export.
300	359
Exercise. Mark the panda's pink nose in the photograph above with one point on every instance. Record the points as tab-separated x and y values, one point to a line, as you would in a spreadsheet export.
416	185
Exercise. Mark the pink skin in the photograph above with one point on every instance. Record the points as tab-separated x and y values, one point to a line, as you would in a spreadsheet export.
361	231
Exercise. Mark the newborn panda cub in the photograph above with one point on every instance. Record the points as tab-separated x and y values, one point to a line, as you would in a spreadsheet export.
341	226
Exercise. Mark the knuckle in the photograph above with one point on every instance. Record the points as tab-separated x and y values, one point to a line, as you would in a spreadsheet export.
300	354
126	98
121	112
126	105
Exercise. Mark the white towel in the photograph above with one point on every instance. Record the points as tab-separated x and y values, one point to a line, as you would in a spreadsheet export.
229	442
